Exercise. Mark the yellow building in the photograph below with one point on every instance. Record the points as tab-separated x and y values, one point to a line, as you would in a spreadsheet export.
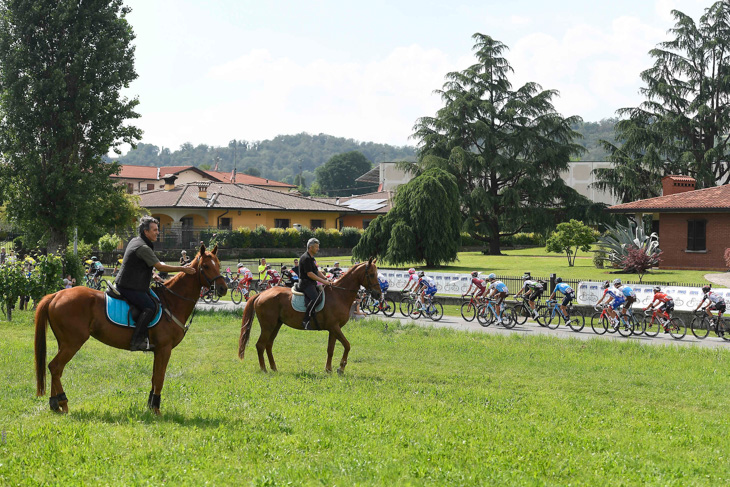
182	209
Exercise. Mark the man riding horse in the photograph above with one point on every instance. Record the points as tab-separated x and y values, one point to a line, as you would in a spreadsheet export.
133	279
309	276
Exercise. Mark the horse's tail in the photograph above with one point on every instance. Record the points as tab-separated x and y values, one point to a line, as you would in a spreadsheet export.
246	325
41	323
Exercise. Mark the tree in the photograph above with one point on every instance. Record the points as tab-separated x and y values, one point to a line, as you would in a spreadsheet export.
683	126
639	262
423	225
252	171
570	237
506	148
63	66
337	176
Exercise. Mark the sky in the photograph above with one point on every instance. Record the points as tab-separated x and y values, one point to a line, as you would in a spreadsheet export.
211	71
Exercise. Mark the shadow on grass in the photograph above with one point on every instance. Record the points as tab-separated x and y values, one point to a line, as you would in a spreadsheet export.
135	414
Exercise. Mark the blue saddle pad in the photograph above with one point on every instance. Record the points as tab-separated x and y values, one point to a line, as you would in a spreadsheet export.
117	310
297	302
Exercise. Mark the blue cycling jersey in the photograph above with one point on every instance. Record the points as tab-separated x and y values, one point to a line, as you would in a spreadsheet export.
628	292
499	286
564	288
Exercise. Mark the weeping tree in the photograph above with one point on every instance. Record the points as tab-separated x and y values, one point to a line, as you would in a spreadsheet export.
506	148
63	64
683	126
423	225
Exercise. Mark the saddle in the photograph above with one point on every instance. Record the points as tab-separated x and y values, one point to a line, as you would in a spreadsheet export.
297	300
122	313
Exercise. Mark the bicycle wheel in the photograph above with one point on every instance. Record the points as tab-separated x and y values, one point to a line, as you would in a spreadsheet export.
624	327
577	320
700	327
236	296
468	311
366	305
542	315
102	286
652	327
521	313
403	305
414	312
388	307
208	298
485	316
435	311
637	324
677	328
215	297
551	318
598	323
722	329
508	318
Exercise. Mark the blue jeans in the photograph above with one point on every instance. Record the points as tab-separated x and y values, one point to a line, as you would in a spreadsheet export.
139	299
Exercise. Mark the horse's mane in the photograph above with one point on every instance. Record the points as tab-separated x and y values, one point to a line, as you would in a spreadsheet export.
350	271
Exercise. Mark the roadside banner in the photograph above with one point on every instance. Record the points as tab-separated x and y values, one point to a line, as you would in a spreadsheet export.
685	298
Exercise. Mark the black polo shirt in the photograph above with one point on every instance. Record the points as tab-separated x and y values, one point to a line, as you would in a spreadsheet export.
307	264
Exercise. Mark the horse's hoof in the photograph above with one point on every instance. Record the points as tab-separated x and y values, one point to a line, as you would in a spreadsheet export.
340	371
329	371
156	411
64	406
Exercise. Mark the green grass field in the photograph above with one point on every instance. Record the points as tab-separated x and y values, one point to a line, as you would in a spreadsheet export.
415	406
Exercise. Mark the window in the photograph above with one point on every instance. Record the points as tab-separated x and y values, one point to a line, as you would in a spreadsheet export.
366	222
281	223
150	186
130	188
696	235
314	224
225	224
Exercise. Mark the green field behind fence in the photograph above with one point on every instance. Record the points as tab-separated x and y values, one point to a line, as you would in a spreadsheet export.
415	406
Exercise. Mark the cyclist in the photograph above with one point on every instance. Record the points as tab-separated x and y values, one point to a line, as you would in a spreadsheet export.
426	287
413	281
497	291
614	299
96	270
273	275
535	289
246	277
335	270
714	302
479	285
568	297
667	301
628	293
384	284
289	276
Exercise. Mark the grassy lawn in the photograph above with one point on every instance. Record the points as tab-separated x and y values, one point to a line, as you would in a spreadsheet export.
540	264
415	406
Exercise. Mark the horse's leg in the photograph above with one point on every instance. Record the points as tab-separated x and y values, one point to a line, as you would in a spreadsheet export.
330	351
261	346
345	344
162	357
58	400
270	346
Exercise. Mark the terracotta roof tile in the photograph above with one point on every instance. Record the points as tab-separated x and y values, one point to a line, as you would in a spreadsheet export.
247	179
708	199
136	172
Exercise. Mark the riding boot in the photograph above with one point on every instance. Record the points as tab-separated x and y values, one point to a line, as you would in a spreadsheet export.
140	339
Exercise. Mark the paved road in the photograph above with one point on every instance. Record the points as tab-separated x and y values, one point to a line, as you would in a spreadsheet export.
530	328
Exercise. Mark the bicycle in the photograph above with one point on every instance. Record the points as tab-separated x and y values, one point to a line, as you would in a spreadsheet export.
92	283
208	295
550	314
702	325
469	308
627	325
406	301
600	320
432	309
521	311
487	314
240	292
372	306
655	321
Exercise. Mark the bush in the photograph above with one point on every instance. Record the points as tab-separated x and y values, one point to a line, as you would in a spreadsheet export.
74	265
469	241
598	258
260	238
350	236
305	235
109	243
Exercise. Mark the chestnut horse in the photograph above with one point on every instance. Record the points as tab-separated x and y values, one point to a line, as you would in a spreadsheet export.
77	313
273	308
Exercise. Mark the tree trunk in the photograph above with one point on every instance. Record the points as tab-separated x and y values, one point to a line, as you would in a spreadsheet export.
57	242
494	247
494	237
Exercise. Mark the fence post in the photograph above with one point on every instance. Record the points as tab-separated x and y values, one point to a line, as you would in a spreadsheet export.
552	283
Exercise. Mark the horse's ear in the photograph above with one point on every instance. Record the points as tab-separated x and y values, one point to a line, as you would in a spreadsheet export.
215	249
202	249
370	261
375	260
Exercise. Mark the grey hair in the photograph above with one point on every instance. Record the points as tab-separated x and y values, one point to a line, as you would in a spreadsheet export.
145	222
312	241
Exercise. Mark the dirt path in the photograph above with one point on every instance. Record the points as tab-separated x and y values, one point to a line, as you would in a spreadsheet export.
719	279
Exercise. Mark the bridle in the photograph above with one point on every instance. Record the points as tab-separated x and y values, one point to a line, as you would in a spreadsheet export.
200	273
368	280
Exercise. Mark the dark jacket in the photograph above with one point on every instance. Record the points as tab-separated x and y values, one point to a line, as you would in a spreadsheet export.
135	272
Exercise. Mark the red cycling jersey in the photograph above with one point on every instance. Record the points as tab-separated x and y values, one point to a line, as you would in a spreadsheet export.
664	298
478	283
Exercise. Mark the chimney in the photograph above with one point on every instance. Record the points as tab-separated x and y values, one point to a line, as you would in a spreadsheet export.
169	181
203	189
677	184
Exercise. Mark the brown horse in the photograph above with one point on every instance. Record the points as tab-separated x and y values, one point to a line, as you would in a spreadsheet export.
77	313
273	307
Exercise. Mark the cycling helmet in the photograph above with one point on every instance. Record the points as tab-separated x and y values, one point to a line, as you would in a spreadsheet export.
657	289
616	282
706	289
492	276
606	284
421	273
283	268
559	280
474	274
411	271
94	259
526	277
337	264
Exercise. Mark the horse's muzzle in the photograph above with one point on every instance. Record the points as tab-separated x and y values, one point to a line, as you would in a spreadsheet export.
221	290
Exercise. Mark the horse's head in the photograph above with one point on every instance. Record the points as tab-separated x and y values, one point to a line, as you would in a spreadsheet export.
370	277
209	270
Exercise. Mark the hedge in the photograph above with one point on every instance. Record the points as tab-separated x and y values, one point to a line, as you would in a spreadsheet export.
281	238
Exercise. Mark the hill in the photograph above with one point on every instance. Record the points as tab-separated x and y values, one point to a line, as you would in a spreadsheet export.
280	158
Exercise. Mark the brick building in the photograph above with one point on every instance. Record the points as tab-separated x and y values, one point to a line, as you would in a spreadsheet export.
693	224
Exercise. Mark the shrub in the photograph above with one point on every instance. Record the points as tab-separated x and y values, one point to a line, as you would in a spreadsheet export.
260	238
240	239
598	258
74	265
638	261
109	243
292	238
305	234
350	236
